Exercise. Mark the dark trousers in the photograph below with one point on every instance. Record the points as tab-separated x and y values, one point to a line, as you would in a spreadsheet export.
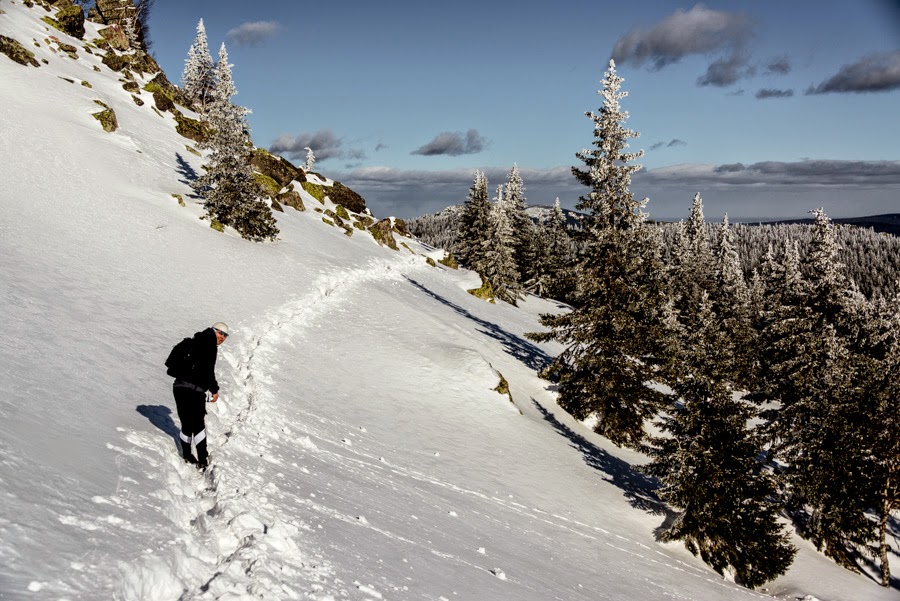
191	405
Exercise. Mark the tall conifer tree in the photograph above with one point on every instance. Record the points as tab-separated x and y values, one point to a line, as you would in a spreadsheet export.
616	333
499	258
231	192
474	225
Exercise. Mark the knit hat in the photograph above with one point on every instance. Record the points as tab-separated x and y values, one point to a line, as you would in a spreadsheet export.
221	327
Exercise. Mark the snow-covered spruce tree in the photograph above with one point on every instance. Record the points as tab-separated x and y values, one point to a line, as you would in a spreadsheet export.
560	255
198	80
536	275
691	270
706	461
233	197
886	425
474	226
731	302
615	334
310	159
499	252
523	228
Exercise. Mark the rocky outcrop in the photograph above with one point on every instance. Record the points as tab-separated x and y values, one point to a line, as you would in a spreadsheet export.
347	198
278	168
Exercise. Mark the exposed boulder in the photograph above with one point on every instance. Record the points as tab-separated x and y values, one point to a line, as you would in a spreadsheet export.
17	52
161	83
162	102
401	228
292	199
278	168
116	62
449	261
381	231
107	117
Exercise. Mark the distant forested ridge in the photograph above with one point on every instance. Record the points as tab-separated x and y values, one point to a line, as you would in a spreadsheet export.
869	246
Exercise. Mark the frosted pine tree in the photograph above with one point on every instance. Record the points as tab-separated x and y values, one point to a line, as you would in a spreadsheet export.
521	223
560	255
310	159
499	256
691	271
731	299
536	271
474	225
707	465
231	192
615	335
198	79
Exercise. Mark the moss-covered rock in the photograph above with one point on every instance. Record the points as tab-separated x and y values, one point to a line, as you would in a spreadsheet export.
503	388
278	168
160	83
276	206
430	261
144	63
449	261
137	100
268	184
342	212
292	199
192	150
315	190
381	231
347	198
328	221
132	87
107	118
486	292
179	199
214	224
17	52
101	44
69	49
71	20
116	62
52	23
189	128
97	69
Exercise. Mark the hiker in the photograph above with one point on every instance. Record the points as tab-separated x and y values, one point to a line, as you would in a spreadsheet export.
190	389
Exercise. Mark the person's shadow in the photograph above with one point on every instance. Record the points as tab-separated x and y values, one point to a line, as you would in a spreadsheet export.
161	417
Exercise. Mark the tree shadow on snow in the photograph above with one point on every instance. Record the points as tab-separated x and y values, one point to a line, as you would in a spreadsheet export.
161	417
188	174
639	489
518	347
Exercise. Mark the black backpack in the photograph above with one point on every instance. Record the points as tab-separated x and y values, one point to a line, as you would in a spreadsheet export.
180	364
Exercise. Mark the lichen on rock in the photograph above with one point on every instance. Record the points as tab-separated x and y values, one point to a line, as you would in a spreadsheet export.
17	52
71	20
107	118
486	292
189	128
315	190
449	261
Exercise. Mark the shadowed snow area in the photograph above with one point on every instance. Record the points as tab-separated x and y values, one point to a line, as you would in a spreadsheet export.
358	450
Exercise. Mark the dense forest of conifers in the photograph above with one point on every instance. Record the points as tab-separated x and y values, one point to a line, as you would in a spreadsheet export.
870	259
778	345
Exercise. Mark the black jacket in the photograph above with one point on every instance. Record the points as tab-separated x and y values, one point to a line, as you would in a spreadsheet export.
204	353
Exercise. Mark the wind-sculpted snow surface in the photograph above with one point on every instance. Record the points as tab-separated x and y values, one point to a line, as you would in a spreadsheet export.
359	449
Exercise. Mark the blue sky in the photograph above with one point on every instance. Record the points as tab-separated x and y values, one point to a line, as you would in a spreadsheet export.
768	109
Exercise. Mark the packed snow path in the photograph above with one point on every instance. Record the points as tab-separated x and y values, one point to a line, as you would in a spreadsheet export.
246	530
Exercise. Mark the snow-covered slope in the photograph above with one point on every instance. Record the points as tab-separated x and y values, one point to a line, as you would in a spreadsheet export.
358	449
